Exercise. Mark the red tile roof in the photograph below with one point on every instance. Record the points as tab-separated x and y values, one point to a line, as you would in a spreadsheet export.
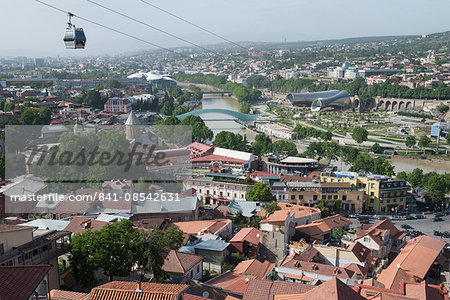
254	267
413	261
20	282
123	290
67	295
250	235
293	261
318	227
265	289
180	263
299	210
215	157
81	224
333	289
231	281
211	226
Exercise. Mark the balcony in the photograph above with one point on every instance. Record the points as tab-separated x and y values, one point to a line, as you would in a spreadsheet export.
39	250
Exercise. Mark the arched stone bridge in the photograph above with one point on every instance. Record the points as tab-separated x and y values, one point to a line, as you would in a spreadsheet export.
246	118
397	104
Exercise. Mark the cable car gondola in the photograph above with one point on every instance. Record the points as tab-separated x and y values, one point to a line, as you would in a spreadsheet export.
74	38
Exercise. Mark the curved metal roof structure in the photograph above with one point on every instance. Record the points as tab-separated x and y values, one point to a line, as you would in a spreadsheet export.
319	100
238	115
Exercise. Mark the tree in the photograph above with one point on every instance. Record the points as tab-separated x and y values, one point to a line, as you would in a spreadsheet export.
93	99
283	146
260	193
376	148
150	249
230	140
410	141
360	135
108	249
379	165
271	208
424	142
337	233
442	108
245	108
167	108
200	132
415	177
447	137
262	144
179	110
324	209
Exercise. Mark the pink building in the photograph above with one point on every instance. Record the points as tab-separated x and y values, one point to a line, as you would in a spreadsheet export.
117	105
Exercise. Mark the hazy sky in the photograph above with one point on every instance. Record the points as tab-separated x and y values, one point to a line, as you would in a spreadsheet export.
29	28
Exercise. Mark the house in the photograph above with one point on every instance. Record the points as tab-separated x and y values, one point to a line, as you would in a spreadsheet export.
333	289
267	290
46	225
294	269
340	257
231	282
24	282
81	224
153	213
214	251
422	259
248	208
260	270
68	295
320	230
406	290
301	214
117	290
183	267
221	227
18	246
246	242
383	238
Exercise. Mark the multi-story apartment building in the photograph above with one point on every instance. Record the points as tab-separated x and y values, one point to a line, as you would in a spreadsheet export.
18	246
381	193
276	130
310	193
219	187
116	105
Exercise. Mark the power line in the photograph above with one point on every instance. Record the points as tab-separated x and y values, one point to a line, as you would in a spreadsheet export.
195	25
109	28
148	25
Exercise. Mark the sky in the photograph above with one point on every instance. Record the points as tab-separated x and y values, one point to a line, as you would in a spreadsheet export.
27	28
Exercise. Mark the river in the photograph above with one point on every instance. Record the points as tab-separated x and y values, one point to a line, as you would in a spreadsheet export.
231	103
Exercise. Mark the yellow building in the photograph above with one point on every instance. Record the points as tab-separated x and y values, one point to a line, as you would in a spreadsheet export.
310	193
381	193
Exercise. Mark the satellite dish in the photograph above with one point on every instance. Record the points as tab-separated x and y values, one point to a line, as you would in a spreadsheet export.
205	294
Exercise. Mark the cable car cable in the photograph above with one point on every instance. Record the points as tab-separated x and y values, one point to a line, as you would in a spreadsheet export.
195	25
110	28
148	25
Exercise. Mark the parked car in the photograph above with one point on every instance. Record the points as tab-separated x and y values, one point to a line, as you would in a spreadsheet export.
437	233
439	214
382	218
420	217
437	219
409	217
446	234
406	226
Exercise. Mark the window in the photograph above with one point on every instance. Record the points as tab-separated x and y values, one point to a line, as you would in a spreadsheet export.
366	239
344	197
335	197
324	197
292	197
300	197
198	268
314	197
372	185
2	249
372	194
